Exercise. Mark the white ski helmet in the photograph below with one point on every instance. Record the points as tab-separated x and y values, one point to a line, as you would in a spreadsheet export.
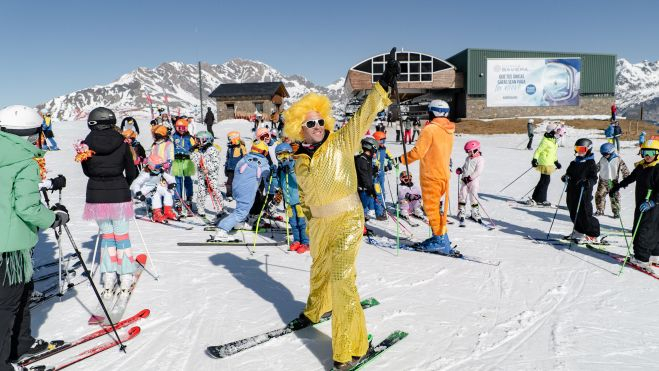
551	127
20	120
438	108
531	121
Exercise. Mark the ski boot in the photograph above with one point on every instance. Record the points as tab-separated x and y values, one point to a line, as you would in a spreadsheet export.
302	249
437	244
370	215
531	202
654	260
593	240
476	214
418	212
599	213
109	280
36	296
382	217
294	246
646	266
462	213
300	322
188	209
574	236
40	346
222	236
125	282
169	213
158	216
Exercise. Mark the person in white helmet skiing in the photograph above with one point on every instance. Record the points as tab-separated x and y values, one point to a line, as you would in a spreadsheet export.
545	160
470	174
22	168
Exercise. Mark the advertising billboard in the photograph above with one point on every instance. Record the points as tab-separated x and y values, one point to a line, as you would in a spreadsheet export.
536	82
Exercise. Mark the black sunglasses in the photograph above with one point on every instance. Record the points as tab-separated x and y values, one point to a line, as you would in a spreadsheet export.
312	123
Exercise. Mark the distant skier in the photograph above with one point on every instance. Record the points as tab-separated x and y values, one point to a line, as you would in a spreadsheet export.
610	167
470	174
641	138
530	128
183	168
251	172
365	178
107	160
581	176
646	214
614	111
545	160
235	152
384	163
209	120
129	123
47	128
207	160
156	185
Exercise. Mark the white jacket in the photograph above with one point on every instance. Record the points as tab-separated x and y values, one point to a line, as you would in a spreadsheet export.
612	170
473	167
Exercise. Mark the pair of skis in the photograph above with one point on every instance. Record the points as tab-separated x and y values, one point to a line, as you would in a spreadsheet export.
229	349
130	334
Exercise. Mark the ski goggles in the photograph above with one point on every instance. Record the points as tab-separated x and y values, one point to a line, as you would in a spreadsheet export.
312	123
581	150
649	152
284	155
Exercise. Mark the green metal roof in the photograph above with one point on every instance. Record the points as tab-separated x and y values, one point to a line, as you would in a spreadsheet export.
597	70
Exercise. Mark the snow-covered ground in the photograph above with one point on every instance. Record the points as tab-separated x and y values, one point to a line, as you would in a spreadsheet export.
543	307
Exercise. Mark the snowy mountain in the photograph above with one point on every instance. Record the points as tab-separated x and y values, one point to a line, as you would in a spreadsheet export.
128	94
635	84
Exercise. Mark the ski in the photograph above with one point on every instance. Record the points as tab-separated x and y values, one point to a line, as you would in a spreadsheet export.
228	349
117	307
71	271
132	333
229	243
621	259
378	349
261	229
539	206
144	313
52	263
167	223
487	225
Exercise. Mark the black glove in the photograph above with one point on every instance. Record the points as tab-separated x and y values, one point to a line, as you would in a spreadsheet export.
416	197
564	178
614	190
58	183
139	196
171	185
466	179
61	215
391	71
534	163
371	192
584	183
181	156
558	165
388	168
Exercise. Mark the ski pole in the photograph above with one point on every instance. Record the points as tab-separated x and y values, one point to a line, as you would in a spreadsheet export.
527	193
146	248
394	90
481	206
98	238
638	224
516	179
397	213
558	205
576	215
288	236
258	220
122	347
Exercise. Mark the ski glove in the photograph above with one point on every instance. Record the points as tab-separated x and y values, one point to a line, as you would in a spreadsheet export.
466	179
458	171
558	165
391	71
646	206
614	190
139	196
61	215
58	183
171	186
534	163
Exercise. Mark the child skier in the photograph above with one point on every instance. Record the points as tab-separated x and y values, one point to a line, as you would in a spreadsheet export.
250	173
183	168
47	129
156	184
545	160
610	167
207	161
470	174
409	198
383	161
138	152
289	187
581	176
162	146
235	152
365	184
646	215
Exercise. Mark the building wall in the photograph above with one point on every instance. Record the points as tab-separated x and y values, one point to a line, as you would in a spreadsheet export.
476	108
243	109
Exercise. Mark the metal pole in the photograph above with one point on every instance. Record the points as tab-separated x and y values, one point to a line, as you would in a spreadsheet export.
576	214
516	179
557	207
201	97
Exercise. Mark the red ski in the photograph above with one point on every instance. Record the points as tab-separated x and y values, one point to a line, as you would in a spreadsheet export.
132	332
104	330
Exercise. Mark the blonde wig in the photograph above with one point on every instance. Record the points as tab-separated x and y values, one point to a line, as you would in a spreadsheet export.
294	117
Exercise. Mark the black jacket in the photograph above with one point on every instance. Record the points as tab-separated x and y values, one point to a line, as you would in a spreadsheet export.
110	170
364	167
210	118
646	242
582	174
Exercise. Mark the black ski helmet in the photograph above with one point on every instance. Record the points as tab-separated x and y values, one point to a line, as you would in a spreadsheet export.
101	118
369	144
583	147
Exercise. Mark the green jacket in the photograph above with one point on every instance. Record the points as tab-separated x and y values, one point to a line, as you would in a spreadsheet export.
21	210
547	152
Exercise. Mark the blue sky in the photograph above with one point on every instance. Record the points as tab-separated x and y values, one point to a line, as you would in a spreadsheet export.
51	48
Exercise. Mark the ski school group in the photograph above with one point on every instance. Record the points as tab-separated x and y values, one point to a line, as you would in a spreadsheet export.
330	183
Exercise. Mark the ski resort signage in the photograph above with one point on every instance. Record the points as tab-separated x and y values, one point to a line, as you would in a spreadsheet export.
534	82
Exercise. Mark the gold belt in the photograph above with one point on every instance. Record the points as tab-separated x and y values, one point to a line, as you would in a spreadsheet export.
345	204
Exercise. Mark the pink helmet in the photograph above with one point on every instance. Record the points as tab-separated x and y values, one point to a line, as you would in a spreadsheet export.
472	145
154	162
